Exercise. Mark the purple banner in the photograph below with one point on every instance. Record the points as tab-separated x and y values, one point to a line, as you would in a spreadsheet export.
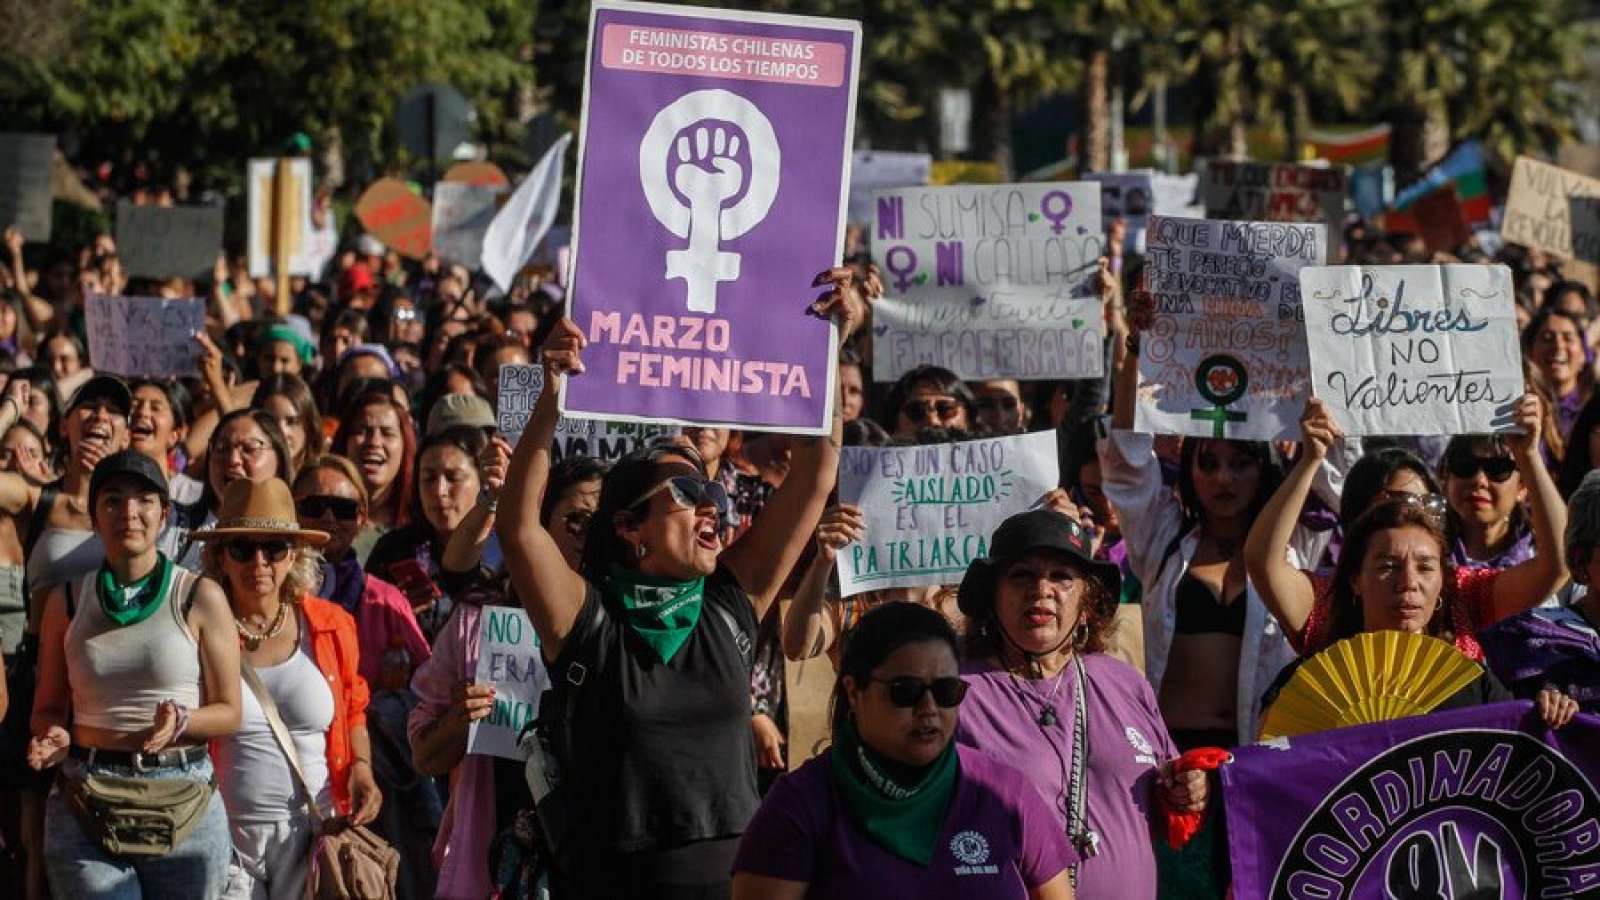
712	178
1480	802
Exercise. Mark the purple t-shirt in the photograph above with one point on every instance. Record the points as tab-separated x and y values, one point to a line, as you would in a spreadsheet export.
998	840
1126	742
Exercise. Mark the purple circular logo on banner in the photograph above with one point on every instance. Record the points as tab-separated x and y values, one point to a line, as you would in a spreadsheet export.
1451	815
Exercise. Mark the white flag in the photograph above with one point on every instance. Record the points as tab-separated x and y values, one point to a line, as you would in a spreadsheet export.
521	224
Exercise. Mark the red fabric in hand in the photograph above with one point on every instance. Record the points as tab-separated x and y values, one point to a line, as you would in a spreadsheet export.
1182	826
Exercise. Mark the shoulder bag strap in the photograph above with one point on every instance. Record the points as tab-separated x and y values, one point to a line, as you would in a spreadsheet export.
280	731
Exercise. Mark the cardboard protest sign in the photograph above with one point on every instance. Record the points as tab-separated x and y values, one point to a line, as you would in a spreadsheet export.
508	659
1540	211
1477	802
877	170
144	336
520	387
1279	192
989	281
1129	196
712	173
930	510
1226	354
168	241
26	162
606	441
263	215
397	217
462	214
484	174
1413	349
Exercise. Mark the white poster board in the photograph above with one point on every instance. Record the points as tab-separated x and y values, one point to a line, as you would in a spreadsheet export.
508	659
607	441
1414	349
144	336
879	170
462	214
307	249
930	510
1177	195
989	281
1226	354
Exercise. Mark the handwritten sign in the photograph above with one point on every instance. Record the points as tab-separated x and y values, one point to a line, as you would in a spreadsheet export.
302	251
462	213
878	170
168	241
1226	354
607	441
1553	210
989	281
508	659
931	509
1278	192
397	217
25	169
1414	349
520	387
1129	196
144	336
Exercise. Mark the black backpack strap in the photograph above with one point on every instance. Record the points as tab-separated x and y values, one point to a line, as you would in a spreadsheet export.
41	516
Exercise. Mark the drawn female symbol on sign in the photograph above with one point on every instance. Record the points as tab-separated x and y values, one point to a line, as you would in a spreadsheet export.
1221	380
902	263
692	167
1056	206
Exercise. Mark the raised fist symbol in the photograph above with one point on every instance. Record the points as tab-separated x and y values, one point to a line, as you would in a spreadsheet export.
708	175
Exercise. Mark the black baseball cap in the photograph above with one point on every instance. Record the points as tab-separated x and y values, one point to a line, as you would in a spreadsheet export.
103	387
130	463
1021	534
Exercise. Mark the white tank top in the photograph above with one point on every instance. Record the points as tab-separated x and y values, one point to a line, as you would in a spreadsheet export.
119	675
252	771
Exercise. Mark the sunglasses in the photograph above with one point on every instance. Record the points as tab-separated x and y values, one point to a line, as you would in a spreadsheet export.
906	691
1433	504
1499	469
689	493
345	509
274	549
919	411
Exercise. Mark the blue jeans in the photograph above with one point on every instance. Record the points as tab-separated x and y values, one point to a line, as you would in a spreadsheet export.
79	867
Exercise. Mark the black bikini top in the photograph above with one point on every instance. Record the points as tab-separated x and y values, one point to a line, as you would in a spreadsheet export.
1200	612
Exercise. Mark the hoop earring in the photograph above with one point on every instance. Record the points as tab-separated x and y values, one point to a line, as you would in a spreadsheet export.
1080	638
641	551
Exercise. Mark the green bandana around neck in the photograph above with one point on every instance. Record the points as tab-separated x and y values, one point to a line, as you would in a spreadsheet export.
662	611
130	604
904	820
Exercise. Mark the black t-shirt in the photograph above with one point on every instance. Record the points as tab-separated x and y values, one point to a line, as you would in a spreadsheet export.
662	752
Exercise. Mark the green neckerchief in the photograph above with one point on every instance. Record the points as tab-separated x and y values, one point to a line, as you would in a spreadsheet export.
661	611
130	604
904	820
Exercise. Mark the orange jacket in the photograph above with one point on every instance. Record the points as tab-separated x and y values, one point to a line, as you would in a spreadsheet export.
337	653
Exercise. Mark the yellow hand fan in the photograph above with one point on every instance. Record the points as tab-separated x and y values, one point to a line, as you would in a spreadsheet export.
1371	677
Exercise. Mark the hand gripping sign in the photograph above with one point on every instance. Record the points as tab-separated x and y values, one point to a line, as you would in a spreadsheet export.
710	165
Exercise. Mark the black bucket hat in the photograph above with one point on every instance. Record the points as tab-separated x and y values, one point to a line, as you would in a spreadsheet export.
1023	533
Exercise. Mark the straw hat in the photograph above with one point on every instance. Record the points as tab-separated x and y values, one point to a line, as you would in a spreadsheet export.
259	509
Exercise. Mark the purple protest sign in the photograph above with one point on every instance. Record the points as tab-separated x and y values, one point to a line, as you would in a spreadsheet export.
1478	802
712	179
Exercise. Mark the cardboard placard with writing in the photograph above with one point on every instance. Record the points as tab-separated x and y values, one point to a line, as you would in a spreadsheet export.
989	281
930	510
147	337
607	441
485	174
520	387
26	163
263	215
1226	353
397	217
508	659
1414	349
1279	192
1540	211
168	241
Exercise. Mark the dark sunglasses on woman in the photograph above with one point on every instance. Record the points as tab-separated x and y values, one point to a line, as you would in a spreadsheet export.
919	411
690	493
275	549
906	691
344	509
1499	469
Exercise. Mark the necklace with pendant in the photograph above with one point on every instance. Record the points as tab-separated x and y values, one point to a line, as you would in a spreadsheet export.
1047	710
252	640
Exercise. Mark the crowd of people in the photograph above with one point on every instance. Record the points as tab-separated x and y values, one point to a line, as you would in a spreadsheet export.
301	537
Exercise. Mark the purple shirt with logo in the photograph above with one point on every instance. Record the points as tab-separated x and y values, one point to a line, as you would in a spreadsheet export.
999	840
1126	738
